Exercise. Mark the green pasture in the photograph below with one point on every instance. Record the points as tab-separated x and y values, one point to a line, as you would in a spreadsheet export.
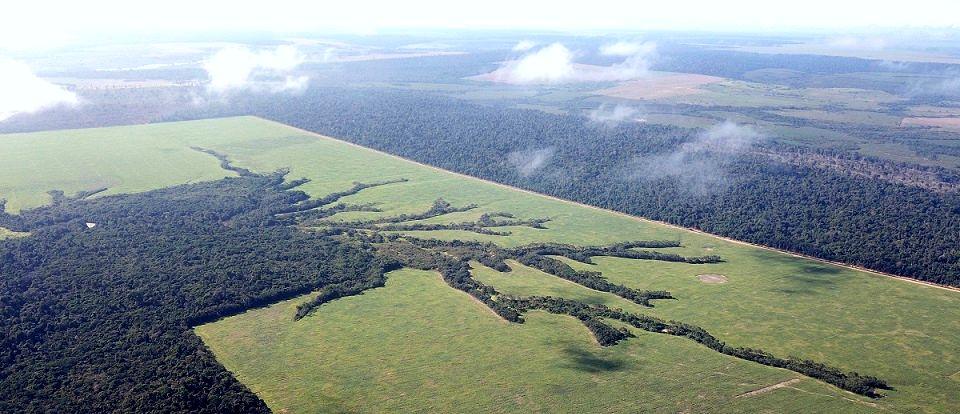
417	345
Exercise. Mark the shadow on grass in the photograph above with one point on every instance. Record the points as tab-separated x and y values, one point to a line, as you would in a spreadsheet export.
805	284
585	361
803	276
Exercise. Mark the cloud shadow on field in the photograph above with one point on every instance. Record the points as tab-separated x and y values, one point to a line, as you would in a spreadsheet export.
586	361
803	277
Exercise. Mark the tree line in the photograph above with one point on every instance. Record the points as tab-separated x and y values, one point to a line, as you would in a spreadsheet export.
864	221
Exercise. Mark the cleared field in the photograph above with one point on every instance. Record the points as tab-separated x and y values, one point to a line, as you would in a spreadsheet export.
155	156
690	89
945	123
848	117
660	85
750	94
6	233
418	345
833	49
934	111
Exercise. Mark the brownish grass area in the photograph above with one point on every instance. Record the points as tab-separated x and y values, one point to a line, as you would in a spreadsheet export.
947	123
660	85
712	278
783	384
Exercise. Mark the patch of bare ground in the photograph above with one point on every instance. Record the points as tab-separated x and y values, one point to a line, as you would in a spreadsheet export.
939	122
712	279
928	178
660	85
782	384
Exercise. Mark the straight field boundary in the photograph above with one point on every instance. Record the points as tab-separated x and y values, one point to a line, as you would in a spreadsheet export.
622	214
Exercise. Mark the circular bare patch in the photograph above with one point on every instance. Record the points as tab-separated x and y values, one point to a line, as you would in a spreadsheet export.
712	278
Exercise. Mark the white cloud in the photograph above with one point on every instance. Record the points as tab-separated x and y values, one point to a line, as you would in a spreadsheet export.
426	46
628	48
529	161
524	45
726	137
554	64
238	68
606	114
857	43
21	91
550	64
700	165
948	86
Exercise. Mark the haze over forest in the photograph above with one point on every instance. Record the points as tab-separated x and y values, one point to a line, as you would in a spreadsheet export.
300	207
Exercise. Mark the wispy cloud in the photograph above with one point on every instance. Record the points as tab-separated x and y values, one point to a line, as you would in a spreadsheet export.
550	64
524	45
948	85
21	91
872	43
426	46
699	165
614	114
623	48
527	162
554	64
238	68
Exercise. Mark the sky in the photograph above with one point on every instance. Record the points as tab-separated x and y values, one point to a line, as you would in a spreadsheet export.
32	24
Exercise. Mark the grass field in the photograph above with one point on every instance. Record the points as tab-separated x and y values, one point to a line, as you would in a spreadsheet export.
943	122
751	94
660	85
828	49
7	233
417	345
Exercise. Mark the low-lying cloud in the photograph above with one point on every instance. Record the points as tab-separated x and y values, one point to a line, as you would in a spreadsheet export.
614	114
426	46
238	68
550	64
946	86
21	91
871	43
623	48
554	64
524	45
528	162
700	165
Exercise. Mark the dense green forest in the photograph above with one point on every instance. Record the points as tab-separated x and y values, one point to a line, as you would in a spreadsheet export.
858	216
98	302
99	319
453	260
866	221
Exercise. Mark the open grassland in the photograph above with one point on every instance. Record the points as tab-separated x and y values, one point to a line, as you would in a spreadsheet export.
934	111
660	85
829	48
703	90
417	344
945	123
122	159
751	94
846	117
7	233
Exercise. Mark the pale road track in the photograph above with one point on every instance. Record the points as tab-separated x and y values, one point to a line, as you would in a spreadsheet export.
621	214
